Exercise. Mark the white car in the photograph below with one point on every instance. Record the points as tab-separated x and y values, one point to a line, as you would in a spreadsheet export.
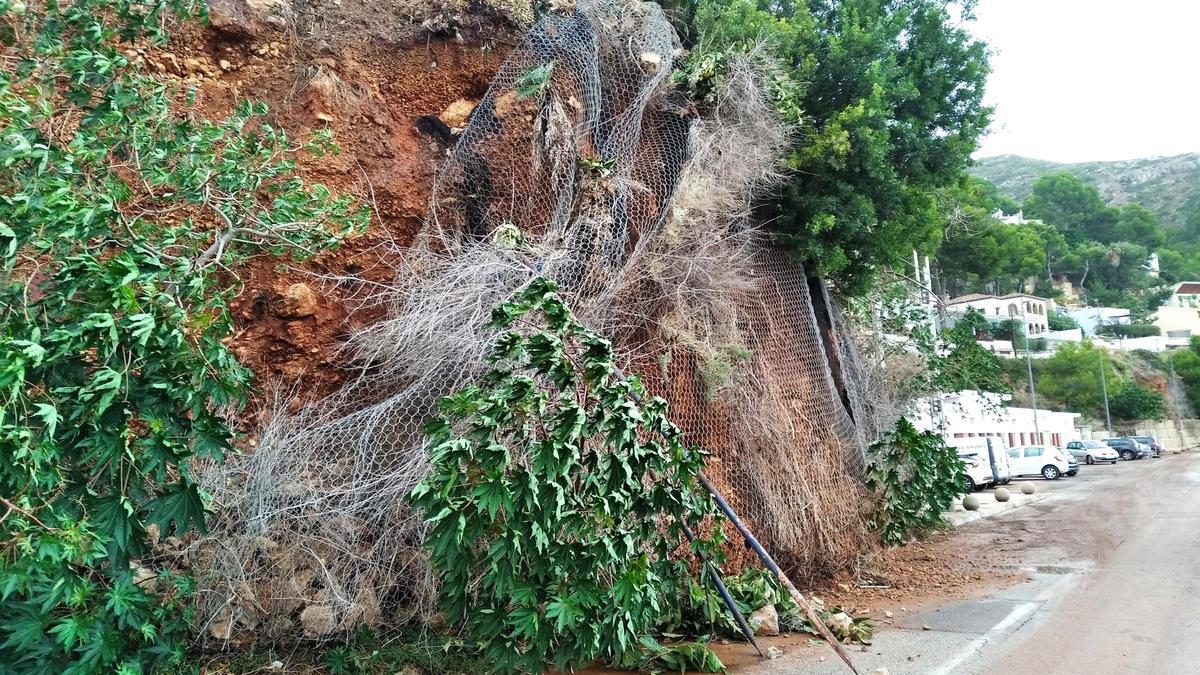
979	471
992	450
1033	460
1091	452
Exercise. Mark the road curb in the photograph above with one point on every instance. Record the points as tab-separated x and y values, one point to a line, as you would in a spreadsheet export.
958	516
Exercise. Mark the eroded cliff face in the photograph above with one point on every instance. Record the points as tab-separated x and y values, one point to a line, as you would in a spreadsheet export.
369	72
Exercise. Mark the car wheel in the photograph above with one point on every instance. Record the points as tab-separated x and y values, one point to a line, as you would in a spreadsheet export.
1050	472
968	484
1127	455
1072	474
1089	459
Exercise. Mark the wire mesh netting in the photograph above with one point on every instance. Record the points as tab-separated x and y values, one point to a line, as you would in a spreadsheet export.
583	163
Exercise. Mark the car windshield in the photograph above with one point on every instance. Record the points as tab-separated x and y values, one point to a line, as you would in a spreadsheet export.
1093	444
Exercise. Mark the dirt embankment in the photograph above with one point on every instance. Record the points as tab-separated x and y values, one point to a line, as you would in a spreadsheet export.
368	73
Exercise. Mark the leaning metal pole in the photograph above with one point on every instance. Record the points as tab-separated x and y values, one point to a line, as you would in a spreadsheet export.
767	560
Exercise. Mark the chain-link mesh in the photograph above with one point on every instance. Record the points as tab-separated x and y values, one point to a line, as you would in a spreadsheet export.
582	163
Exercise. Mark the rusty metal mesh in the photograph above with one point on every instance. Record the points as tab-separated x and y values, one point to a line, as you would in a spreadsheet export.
584	163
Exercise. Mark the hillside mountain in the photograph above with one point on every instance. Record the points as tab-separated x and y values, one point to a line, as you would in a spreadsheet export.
1169	186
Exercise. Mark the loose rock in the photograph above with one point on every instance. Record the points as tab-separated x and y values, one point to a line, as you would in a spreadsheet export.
455	115
318	620
764	621
295	302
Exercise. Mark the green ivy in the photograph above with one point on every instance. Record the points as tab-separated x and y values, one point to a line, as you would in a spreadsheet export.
121	213
556	500
914	477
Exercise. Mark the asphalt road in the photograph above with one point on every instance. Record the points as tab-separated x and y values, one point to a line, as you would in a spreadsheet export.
1113	561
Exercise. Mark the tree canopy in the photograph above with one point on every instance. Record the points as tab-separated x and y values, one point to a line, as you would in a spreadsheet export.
891	94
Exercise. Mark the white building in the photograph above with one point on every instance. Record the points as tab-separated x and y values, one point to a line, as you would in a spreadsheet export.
973	414
995	308
1184	294
1017	218
1090	318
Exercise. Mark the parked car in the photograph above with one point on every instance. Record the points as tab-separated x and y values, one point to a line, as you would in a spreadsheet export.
1128	448
1092	451
1155	447
979	472
1072	463
1045	460
992	450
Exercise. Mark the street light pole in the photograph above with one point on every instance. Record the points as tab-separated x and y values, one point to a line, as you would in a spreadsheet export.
1037	431
1104	388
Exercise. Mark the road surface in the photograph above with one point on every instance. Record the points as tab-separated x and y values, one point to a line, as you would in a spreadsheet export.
1113	558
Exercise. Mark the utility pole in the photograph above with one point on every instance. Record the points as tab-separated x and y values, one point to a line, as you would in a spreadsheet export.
1037	431
1171	389
1104	388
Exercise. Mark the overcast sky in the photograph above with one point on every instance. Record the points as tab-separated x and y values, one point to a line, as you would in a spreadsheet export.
1081	80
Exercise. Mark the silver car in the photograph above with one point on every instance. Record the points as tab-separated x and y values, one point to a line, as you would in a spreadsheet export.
1091	452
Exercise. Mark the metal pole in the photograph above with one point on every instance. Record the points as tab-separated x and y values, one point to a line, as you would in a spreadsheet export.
1037	431
1104	388
769	562
1174	401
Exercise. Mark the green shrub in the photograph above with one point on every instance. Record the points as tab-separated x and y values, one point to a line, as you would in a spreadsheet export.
914	477
555	499
1128	330
1135	402
119	218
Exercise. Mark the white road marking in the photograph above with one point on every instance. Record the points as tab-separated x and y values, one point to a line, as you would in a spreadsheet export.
1018	614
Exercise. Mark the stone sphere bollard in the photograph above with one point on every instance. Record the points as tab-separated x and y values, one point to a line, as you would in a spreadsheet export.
1027	489
971	503
1002	495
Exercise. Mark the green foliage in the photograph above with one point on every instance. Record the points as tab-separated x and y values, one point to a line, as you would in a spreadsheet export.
961	363
117	216
1059	321
368	653
1135	402
891	95
534	81
1187	368
555	499
651	656
1128	330
913	477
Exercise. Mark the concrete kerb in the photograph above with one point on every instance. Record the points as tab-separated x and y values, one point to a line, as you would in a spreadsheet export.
958	516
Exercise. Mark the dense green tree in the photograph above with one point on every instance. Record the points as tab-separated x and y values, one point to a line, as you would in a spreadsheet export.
892	97
1063	200
1060	321
1138	224
1135	402
1187	369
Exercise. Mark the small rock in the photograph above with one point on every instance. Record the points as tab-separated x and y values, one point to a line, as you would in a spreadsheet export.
887	614
651	62
864	649
325	117
878	671
840	624
455	115
276	665
224	64
325	62
295	302
221	626
926	626
318	620
764	621
774	653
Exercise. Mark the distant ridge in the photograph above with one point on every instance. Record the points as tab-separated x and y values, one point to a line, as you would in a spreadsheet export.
1169	186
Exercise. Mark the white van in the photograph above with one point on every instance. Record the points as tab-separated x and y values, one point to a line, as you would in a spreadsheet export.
994	468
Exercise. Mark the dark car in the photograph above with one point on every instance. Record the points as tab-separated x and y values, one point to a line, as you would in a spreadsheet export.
1152	442
1128	448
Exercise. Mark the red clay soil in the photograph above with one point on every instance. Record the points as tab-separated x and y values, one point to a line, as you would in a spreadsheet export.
370	95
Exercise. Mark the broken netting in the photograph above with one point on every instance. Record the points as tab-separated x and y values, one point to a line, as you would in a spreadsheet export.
583	163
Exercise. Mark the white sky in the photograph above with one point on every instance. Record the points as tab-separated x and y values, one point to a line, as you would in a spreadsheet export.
1083	80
